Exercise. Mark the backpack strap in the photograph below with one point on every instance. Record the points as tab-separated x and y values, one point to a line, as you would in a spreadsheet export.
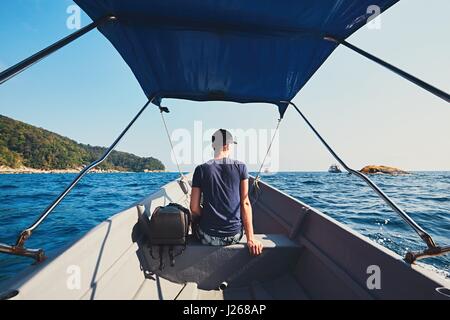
187	213
161	263
171	257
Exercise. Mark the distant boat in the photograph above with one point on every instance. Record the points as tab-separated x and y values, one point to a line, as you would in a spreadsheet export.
334	168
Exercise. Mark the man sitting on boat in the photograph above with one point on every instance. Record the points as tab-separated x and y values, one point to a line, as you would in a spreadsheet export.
226	207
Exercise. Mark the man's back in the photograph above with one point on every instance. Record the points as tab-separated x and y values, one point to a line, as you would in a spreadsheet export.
219	181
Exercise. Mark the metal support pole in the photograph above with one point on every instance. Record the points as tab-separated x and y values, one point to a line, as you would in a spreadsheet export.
18	248
437	92
433	249
28	62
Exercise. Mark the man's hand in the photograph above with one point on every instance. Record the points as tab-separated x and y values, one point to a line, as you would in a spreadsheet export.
255	247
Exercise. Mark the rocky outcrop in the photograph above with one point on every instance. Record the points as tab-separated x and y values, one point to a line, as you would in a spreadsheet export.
372	169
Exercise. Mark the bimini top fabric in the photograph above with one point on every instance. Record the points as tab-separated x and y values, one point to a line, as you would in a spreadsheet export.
232	50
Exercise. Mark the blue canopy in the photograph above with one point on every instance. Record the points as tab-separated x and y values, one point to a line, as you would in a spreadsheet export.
231	50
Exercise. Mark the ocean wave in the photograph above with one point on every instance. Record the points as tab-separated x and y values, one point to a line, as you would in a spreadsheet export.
438	199
8	186
133	185
312	182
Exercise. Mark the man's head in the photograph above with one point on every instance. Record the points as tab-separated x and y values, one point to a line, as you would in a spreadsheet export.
221	140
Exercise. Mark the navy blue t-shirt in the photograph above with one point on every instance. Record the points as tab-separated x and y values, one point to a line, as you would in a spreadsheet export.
219	181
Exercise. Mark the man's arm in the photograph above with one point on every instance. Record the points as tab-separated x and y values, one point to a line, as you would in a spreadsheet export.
196	210
254	246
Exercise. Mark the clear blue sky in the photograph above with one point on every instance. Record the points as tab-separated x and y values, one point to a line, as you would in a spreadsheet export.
369	115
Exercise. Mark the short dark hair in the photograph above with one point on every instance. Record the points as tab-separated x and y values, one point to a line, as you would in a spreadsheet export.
222	137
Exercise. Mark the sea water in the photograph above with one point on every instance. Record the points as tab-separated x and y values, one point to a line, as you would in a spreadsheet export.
425	196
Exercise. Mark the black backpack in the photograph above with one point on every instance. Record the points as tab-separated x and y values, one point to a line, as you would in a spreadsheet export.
168	226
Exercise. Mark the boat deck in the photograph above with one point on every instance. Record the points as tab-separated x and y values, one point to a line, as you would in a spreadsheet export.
284	287
264	277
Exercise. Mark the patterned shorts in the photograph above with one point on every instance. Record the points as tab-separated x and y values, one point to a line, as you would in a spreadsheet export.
217	241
